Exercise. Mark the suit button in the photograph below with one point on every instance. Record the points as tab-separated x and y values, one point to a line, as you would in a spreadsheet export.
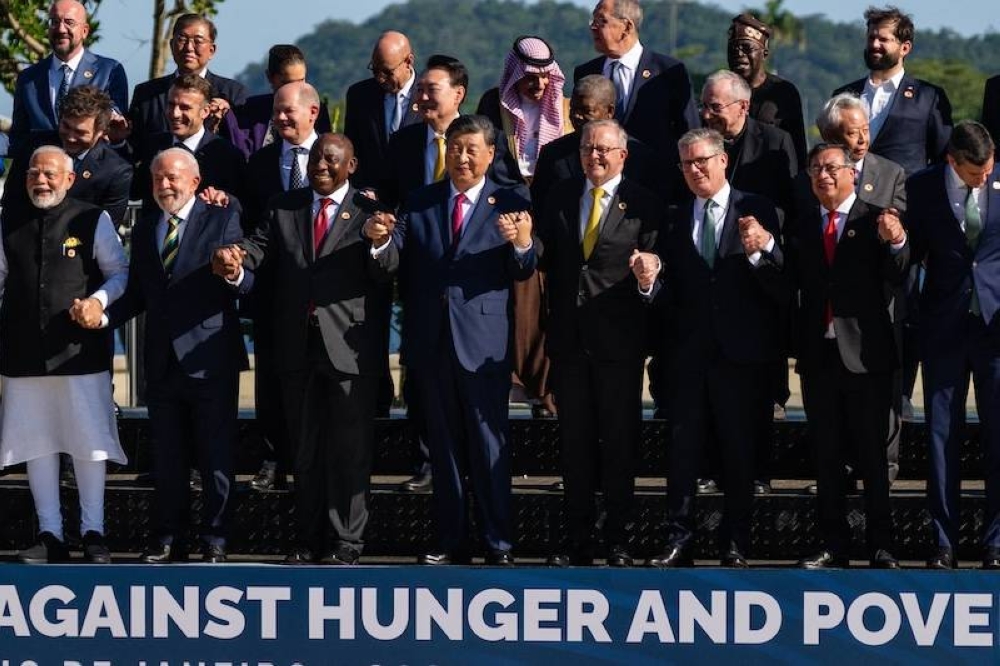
975	263
584	267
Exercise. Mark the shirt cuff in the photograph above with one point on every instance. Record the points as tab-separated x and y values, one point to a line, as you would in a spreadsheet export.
377	251
238	281
649	292
102	298
896	247
755	257
520	252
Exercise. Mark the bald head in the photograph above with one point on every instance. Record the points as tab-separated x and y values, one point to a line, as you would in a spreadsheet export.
67	28
296	107
392	61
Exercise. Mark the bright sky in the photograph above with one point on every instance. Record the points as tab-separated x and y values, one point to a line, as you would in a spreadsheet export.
246	29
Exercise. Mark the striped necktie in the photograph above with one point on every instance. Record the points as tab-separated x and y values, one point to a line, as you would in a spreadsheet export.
171	242
296	179
67	76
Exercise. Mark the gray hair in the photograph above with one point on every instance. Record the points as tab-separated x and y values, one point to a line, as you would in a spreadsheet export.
699	134
620	133
596	87
180	153
628	9
828	119
55	150
739	88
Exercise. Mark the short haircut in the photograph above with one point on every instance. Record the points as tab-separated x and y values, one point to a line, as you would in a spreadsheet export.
828	119
598	88
183	154
185	20
699	134
739	88
970	143
903	29
280	56
820	147
89	102
472	125
458	75
55	150
194	83
628	9
620	134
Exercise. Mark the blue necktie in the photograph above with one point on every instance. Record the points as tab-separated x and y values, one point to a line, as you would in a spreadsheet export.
67	76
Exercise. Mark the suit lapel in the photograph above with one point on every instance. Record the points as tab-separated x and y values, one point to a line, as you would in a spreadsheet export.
639	79
303	220
614	216
194	228
339	223
729	242
477	218
86	71
42	90
992	216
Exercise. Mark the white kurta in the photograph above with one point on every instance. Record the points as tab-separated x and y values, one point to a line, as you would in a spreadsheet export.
73	414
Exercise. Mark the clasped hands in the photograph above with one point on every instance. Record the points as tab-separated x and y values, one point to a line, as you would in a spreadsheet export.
87	312
516	228
890	228
378	228
227	261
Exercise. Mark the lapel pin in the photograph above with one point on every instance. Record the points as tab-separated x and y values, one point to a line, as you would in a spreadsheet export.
70	253
345	215
88	74
996	184
908	93
414	107
86	174
621	205
869	187
491	200
850	233
646	73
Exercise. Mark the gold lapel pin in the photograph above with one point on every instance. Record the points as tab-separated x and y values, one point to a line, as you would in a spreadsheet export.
345	215
646	73
86	174
88	74
850	233
491	200
621	205
414	107
908	93
869	187
71	253
996	184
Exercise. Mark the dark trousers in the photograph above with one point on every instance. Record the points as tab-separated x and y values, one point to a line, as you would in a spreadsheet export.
192	420
268	409
332	416
600	420
946	386
718	403
467	430
849	409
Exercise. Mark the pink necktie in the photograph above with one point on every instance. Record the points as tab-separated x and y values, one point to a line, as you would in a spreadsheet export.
456	219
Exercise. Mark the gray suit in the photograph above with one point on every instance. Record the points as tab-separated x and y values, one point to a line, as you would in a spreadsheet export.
882	183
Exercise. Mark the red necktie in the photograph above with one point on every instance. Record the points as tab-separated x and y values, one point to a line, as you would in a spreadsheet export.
456	219
830	249
320	224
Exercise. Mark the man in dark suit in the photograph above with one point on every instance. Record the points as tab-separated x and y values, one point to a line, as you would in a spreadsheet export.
843	252
654	91
330	314
249	127
188	106
463	241
954	214
378	107
103	178
192	46
719	295
910	118
40	88
774	100
595	336
277	167
194	353
991	107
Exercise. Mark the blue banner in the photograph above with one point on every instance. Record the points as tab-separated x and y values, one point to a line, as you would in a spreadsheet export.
196	615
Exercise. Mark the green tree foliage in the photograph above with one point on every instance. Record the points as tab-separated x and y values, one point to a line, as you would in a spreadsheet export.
480	32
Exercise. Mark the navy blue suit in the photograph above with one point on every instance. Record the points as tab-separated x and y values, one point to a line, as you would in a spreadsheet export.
956	342
991	107
660	105
364	125
457	344
33	104
194	353
917	129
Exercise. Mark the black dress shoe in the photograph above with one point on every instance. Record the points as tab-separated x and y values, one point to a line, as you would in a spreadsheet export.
499	558
213	553
707	486
943	559
673	557
539	411
434	559
343	555
618	556
301	556
558	560
419	483
164	553
824	559
46	550
267	478
194	481
883	559
95	550
991	559
761	488
733	559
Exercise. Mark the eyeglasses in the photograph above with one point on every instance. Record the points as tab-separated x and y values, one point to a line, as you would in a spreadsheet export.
603	21
182	41
828	169
386	71
54	22
698	163
715	108
588	148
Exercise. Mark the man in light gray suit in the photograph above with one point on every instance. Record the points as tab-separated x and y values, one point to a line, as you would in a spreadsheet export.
881	183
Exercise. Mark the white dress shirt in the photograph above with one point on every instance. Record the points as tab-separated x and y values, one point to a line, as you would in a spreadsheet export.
877	99
287	155
397	103
958	191
56	75
630	64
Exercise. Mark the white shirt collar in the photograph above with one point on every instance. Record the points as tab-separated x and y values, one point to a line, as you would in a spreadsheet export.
610	188
631	57
74	62
307	144
407	87
892	85
184	213
844	208
721	198
337	196
192	141
431	134
471	194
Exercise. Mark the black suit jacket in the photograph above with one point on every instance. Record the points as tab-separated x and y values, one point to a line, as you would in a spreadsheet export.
854	287
246	125
364	125
765	164
660	106
263	181
221	164
730	309
917	129
149	103
594	305
348	290
777	102
991	107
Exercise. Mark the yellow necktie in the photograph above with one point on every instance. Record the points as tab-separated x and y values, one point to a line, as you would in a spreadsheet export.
593	229
439	162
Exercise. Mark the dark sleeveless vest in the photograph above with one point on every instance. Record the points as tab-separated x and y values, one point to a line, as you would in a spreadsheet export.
50	261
